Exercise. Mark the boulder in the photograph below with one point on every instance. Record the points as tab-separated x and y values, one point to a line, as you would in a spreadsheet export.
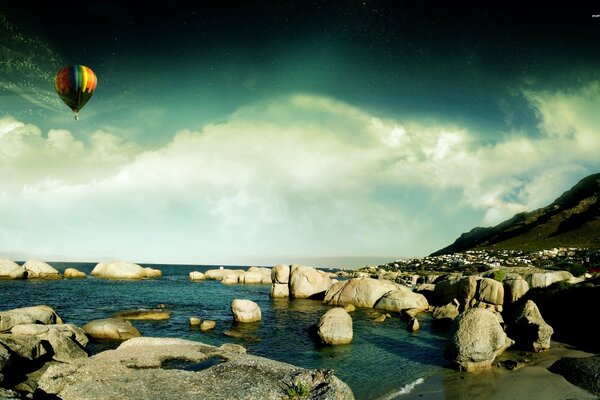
454	287
583	372
413	325
245	311
545	279
514	289
146	315
11	270
66	341
335	327
111	329
152	272
160	368
28	315
529	329
279	290
196	276
446	313
219	274
73	273
361	292
280	274
490	291
258	275
349	308
476	338
123	270
380	318
207	325
69	330
194	321
253	277
27	347
38	269
400	300
308	282
232	278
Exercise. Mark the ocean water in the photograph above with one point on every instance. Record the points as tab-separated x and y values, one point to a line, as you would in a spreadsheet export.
384	361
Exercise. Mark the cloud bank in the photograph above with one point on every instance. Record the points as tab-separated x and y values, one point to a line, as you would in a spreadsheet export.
298	175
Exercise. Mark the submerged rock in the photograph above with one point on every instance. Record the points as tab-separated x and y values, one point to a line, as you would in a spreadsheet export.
11	270
335	327
146	315
155	368
38	269
123	270
476	338
111	329
245	310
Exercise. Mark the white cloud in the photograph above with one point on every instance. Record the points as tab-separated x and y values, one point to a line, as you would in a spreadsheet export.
297	175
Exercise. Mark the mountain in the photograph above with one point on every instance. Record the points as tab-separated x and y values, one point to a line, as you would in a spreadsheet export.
573	220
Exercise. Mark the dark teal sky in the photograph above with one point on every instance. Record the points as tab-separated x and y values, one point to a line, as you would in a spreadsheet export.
291	128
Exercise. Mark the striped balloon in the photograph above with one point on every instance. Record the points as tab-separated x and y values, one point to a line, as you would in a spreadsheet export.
75	85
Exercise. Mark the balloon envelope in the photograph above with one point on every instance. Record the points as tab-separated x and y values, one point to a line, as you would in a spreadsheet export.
75	85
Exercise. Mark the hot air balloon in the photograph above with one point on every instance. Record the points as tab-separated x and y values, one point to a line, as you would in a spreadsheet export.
75	85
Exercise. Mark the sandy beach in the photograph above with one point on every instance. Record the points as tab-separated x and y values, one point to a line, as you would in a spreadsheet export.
532	381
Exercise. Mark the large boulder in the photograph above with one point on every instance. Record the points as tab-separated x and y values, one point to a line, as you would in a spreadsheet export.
529	328
260	275
25	347
245	310
41	314
196	276
280	274
455	287
308	282
514	289
160	368
545	279
279	290
360	292
476	338
67	341
123	270
38	269
111	329
490	291
583	372
447	313
73	273
11	270
335	327
401	300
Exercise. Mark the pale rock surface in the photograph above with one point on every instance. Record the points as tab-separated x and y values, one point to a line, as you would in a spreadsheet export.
360	292
245	311
73	273
545	279
11	270
196	276
307	282
207	325
279	290
490	291
335	327
123	270
41	314
111	328
38	269
514	289
401	300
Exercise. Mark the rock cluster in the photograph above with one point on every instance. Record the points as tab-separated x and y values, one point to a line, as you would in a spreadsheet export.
299	281
254	275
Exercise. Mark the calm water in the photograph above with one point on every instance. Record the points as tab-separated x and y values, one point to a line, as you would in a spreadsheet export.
382	359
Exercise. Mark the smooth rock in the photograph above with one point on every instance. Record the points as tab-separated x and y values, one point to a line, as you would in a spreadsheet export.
69	330
476	338
361	292
381	318
11	270
545	279
196	276
152	272
231	278
38	269
28	347
73	273
111	328
253	277
145	315
514	289
280	274
307	282
133	371
529	329
446	313
335	327
490	291
207	325
349	308
245	310
400	300
194	321
279	290
461	288
123	270
413	325
582	372
41	314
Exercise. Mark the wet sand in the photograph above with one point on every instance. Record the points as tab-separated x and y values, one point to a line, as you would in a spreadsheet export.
532	381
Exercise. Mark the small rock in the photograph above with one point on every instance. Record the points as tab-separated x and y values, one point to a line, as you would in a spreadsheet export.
349	308
413	325
207	325
381	318
196	276
73	273
194	321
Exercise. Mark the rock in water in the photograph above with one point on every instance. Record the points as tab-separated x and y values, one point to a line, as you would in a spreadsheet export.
530	330
413	325
447	313
308	282
476	338
194	321
245	311
39	269
111	328
196	276
28	315
207	325
158	369
279	290
335	327
280	274
145	315
361	292
123	270
401	300
73	273
583	372
11	270
545	279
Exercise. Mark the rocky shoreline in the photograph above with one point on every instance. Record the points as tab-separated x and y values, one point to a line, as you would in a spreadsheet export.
487	303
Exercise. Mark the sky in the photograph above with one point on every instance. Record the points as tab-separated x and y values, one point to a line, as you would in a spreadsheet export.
324	132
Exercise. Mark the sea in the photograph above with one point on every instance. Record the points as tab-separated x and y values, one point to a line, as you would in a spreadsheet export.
384	360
